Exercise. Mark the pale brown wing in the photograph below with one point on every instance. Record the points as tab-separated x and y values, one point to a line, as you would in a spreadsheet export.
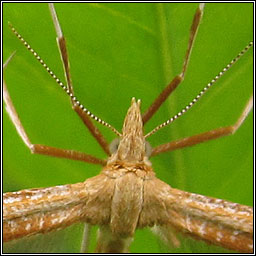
216	221
33	211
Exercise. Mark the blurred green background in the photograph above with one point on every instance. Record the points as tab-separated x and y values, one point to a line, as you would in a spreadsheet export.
120	51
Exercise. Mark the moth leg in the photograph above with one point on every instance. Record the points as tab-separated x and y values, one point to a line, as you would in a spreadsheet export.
179	78
202	137
65	60
38	148
86	238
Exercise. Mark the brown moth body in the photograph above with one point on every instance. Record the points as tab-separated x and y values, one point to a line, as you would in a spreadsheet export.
127	170
126	195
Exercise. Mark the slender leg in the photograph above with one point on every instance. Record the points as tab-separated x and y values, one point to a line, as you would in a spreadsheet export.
86	238
179	78
64	57
37	148
202	137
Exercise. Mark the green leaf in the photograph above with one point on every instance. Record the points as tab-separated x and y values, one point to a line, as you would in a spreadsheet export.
119	51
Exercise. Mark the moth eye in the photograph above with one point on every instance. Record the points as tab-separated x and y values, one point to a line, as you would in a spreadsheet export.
148	149
114	145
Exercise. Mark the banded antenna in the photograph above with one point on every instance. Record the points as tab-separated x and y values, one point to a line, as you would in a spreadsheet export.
102	122
202	92
58	81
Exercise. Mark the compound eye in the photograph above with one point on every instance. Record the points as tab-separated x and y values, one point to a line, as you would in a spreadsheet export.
114	145
148	149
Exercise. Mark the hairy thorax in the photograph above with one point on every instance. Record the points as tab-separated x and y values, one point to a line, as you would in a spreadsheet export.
125	197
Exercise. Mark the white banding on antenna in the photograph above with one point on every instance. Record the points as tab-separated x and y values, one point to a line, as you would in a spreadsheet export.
75	100
202	92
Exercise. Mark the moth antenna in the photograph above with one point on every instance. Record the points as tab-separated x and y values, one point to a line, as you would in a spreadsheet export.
58	81
202	92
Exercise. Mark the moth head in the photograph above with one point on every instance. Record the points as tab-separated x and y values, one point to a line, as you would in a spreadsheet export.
131	145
